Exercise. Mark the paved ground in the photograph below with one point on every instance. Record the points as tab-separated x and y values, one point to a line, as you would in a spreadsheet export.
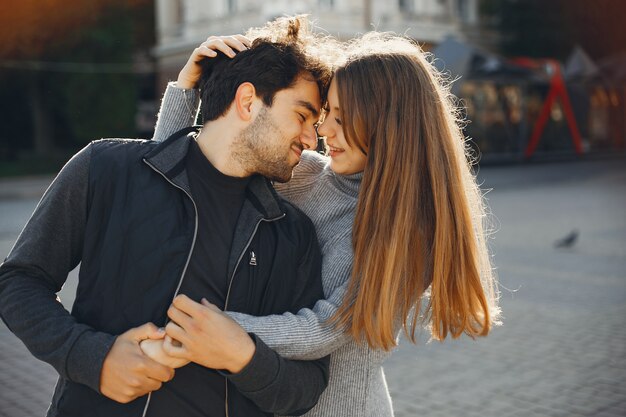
561	350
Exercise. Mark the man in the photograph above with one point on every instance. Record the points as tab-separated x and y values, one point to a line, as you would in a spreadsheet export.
190	217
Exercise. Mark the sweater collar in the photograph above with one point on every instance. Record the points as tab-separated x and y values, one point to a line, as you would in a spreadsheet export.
349	184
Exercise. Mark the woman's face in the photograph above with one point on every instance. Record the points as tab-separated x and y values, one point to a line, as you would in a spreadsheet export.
345	159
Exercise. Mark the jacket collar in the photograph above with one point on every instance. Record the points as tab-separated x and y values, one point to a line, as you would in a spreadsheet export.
169	158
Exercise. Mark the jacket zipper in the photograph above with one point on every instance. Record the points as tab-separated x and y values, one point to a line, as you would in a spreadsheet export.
193	244
180	282
230	284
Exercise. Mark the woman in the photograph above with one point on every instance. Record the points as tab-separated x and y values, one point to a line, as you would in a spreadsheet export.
396	208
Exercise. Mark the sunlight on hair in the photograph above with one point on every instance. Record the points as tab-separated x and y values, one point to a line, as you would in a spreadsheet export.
419	200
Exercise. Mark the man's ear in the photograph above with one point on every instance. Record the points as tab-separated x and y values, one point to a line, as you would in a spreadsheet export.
244	98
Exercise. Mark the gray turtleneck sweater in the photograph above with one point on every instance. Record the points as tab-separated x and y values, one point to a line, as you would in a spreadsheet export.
357	386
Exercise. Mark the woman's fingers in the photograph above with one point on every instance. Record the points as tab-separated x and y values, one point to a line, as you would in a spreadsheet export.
179	317
236	43
174	348
219	45
238	37
204	51
244	40
210	306
228	45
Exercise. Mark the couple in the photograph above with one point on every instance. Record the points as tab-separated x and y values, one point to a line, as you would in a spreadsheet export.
395	207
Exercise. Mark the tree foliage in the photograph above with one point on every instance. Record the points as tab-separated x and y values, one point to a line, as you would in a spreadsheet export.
33	28
76	105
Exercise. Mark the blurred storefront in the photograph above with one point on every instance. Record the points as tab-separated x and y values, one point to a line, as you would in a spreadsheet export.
521	109
504	100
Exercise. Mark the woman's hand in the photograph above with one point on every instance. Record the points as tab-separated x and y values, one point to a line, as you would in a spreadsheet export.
206	336
154	350
190	74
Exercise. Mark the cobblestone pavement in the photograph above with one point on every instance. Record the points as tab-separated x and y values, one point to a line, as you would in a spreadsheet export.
562	348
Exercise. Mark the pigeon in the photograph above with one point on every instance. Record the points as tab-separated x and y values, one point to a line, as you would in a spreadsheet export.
567	241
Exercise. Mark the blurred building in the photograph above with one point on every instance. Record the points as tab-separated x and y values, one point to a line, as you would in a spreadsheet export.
184	24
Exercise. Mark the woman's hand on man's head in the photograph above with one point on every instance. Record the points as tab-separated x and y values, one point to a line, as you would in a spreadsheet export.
229	45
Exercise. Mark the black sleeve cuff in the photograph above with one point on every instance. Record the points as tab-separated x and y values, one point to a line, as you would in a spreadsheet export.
260	372
84	362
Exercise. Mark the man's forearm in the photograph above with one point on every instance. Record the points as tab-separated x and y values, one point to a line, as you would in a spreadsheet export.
31	311
281	386
48	248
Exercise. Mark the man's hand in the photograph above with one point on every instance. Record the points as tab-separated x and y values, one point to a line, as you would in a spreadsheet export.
154	349
206	336
191	72
126	372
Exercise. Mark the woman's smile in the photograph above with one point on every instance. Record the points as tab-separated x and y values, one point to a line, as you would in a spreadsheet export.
334	151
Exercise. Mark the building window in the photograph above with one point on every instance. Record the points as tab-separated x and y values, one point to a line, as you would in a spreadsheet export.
232	6
326	4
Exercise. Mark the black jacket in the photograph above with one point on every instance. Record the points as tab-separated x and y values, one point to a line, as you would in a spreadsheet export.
123	208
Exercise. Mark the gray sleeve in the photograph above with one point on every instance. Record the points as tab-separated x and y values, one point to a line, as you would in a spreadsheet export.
281	386
307	335
48	248
179	108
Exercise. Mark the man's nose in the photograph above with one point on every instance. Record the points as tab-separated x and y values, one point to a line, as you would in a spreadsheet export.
308	138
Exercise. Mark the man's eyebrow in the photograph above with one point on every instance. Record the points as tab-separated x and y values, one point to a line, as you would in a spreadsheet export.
310	107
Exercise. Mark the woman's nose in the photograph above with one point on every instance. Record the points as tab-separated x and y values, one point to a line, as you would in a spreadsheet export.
323	129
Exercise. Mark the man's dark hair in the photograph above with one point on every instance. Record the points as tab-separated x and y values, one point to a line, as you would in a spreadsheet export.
277	57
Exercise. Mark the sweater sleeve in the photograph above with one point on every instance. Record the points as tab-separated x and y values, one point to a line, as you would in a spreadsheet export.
179	108
307	335
48	248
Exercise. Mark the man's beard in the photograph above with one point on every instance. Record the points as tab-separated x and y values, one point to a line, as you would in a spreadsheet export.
258	149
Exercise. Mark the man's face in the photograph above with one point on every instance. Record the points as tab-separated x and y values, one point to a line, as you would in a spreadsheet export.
272	144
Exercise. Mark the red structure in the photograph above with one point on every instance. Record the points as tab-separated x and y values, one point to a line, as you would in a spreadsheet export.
556	91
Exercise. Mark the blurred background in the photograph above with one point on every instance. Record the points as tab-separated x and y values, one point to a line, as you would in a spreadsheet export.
537	78
543	87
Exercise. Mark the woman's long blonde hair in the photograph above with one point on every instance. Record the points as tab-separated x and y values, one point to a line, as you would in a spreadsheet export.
419	217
